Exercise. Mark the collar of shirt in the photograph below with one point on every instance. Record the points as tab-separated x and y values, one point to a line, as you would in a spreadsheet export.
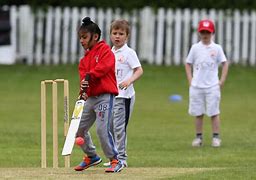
207	46
120	49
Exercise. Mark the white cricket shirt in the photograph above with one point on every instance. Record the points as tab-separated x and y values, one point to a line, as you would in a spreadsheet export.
126	61
205	60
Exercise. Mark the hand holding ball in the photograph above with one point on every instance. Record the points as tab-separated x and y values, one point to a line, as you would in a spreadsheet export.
79	141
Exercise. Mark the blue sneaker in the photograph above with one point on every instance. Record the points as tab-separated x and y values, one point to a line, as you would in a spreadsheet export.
119	166
88	162
115	166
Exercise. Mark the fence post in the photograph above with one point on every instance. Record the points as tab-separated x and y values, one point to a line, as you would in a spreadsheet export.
169	39
253	39
66	32
228	34
245	37
160	37
30	40
195	20
39	38
177	37
186	29
236	36
219	28
57	37
23	31
134	27
48	36
109	15
74	39
100	22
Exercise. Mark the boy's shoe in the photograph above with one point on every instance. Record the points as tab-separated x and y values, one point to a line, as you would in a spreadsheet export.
106	164
115	166
125	164
197	142
119	166
216	142
88	162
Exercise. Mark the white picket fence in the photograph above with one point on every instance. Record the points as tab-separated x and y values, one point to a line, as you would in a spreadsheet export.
161	37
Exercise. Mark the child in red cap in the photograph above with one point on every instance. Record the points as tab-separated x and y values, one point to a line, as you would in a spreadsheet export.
201	68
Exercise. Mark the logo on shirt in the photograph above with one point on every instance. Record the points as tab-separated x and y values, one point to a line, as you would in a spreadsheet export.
121	59
205	66
213	54
96	58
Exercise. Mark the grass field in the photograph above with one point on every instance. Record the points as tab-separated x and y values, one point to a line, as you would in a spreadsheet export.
159	133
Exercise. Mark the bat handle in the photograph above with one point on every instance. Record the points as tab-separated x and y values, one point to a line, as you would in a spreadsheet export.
87	78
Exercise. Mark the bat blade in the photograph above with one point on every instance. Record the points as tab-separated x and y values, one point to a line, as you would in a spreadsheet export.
74	124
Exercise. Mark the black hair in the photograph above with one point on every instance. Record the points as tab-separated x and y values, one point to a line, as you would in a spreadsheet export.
89	26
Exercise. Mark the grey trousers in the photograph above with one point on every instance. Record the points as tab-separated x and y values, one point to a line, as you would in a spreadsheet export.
98	110
122	112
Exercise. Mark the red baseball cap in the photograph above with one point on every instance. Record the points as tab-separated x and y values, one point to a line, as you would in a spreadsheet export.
206	25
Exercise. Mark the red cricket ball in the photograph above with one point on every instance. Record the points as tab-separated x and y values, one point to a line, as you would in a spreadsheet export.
79	141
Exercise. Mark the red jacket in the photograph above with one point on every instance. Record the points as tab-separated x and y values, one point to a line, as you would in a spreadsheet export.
99	62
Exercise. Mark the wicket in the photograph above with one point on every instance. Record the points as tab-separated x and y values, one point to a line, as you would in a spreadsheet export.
54	120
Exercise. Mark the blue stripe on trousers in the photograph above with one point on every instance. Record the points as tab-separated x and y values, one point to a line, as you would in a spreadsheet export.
110	116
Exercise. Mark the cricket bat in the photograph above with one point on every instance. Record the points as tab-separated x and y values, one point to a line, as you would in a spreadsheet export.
74	125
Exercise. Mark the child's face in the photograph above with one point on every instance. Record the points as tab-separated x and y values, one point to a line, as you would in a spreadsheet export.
118	37
205	36
87	39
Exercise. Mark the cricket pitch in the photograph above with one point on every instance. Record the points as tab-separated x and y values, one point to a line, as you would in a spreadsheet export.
98	173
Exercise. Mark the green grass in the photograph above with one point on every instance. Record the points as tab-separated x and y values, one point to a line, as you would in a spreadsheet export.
159	133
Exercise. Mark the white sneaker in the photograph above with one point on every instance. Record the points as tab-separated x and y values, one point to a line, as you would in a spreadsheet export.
216	142
197	142
107	164
125	164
